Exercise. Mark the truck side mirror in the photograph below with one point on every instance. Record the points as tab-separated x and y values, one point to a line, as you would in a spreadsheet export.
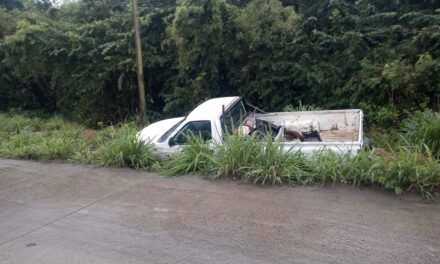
171	142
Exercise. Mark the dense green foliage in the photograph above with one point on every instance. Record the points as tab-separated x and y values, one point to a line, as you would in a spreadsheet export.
78	59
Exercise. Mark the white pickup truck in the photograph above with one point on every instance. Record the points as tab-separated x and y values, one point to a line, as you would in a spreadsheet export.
308	131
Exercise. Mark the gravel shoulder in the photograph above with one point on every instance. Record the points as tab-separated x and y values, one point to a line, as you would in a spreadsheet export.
64	213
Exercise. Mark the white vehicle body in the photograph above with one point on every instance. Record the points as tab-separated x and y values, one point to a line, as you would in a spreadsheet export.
339	130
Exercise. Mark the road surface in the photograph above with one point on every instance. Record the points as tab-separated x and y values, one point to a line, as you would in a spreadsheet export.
63	213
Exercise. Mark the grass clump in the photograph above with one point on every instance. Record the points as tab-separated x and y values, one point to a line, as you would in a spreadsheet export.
195	157
118	147
270	164
235	156
409	168
423	128
21	144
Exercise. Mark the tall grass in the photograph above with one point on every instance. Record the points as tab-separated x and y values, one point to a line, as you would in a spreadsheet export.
35	138
412	165
266	162
241	157
423	128
271	164
118	147
55	139
195	157
13	123
411	168
234	156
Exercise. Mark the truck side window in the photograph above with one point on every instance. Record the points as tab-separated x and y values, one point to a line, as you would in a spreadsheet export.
232	118
201	128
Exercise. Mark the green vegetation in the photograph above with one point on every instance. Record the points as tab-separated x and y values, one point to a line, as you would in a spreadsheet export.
408	161
117	147
77	59
401	168
423	128
54	139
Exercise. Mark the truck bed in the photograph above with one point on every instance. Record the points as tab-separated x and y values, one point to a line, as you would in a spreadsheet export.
339	130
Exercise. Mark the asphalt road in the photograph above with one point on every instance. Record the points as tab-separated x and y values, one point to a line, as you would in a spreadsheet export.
62	213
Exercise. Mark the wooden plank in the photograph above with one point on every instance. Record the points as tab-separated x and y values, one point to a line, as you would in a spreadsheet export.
339	135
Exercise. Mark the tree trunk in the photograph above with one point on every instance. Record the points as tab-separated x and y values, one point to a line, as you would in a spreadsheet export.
139	67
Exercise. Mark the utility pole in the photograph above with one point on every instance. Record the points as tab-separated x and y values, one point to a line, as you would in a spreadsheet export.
139	67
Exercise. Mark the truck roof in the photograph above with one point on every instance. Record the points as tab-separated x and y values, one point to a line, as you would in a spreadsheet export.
212	108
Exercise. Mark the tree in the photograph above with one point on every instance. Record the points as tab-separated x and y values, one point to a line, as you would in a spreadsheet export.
78	59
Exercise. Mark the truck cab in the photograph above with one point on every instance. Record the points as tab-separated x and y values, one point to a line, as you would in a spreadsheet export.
207	120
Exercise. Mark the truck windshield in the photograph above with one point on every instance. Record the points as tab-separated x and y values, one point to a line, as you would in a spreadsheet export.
232	118
169	131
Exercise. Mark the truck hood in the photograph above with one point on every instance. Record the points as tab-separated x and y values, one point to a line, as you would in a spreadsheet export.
154	131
